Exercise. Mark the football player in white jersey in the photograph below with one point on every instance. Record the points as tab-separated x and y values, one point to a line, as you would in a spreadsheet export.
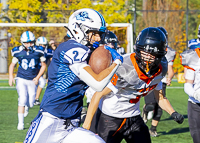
195	43
140	74
191	60
69	75
151	106
29	57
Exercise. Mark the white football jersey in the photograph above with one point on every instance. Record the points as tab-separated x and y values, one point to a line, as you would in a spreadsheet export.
170	56
132	84
191	60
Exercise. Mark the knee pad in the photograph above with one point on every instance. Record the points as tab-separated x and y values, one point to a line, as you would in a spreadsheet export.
157	114
150	107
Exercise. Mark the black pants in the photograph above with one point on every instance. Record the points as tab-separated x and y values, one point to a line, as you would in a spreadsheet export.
114	130
194	121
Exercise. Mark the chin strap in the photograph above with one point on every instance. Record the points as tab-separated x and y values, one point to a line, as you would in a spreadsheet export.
147	67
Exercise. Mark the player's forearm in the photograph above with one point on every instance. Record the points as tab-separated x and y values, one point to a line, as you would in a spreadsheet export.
90	78
91	110
42	70
103	74
93	106
170	72
163	102
11	69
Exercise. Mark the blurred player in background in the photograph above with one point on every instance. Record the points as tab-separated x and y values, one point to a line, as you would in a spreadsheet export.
195	43
140	74
191	60
29	57
69	76
48	53
151	106
52	45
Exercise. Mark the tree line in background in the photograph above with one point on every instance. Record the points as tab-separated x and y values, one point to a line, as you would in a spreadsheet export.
170	14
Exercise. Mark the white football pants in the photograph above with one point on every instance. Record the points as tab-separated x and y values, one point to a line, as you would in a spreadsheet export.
50	129
26	90
42	82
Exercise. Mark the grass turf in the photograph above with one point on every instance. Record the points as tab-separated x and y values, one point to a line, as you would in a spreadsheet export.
169	130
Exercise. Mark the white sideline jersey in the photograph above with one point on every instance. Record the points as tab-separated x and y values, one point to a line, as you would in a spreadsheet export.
132	84
191	60
170	56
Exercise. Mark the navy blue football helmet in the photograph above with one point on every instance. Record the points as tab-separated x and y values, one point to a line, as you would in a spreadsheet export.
164	31
151	46
110	38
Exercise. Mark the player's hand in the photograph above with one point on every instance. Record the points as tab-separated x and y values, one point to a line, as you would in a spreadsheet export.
168	81
177	117
11	81
115	55
85	126
95	45
36	81
196	94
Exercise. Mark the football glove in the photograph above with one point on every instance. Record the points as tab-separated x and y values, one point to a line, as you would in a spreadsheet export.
116	56
196	94
177	117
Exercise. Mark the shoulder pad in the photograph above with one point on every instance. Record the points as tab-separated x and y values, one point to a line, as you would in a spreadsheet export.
16	50
171	54
192	42
39	48
189	57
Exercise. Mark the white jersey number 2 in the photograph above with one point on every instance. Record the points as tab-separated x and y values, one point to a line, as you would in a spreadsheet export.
26	65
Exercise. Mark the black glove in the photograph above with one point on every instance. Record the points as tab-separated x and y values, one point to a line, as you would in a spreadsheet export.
177	117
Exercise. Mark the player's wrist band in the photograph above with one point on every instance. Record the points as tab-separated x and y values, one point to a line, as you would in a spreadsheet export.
118	62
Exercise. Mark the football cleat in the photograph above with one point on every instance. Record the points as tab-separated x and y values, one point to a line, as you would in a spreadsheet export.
20	126
37	102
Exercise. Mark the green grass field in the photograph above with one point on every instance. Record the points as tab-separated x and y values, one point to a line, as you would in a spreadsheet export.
169	130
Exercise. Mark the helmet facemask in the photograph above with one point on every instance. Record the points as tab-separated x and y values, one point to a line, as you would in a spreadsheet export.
30	48
148	60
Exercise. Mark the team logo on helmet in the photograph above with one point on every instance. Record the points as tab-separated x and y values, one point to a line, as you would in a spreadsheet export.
82	16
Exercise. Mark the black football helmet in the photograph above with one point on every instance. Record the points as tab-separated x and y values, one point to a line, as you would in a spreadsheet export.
151	46
111	38
164	31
